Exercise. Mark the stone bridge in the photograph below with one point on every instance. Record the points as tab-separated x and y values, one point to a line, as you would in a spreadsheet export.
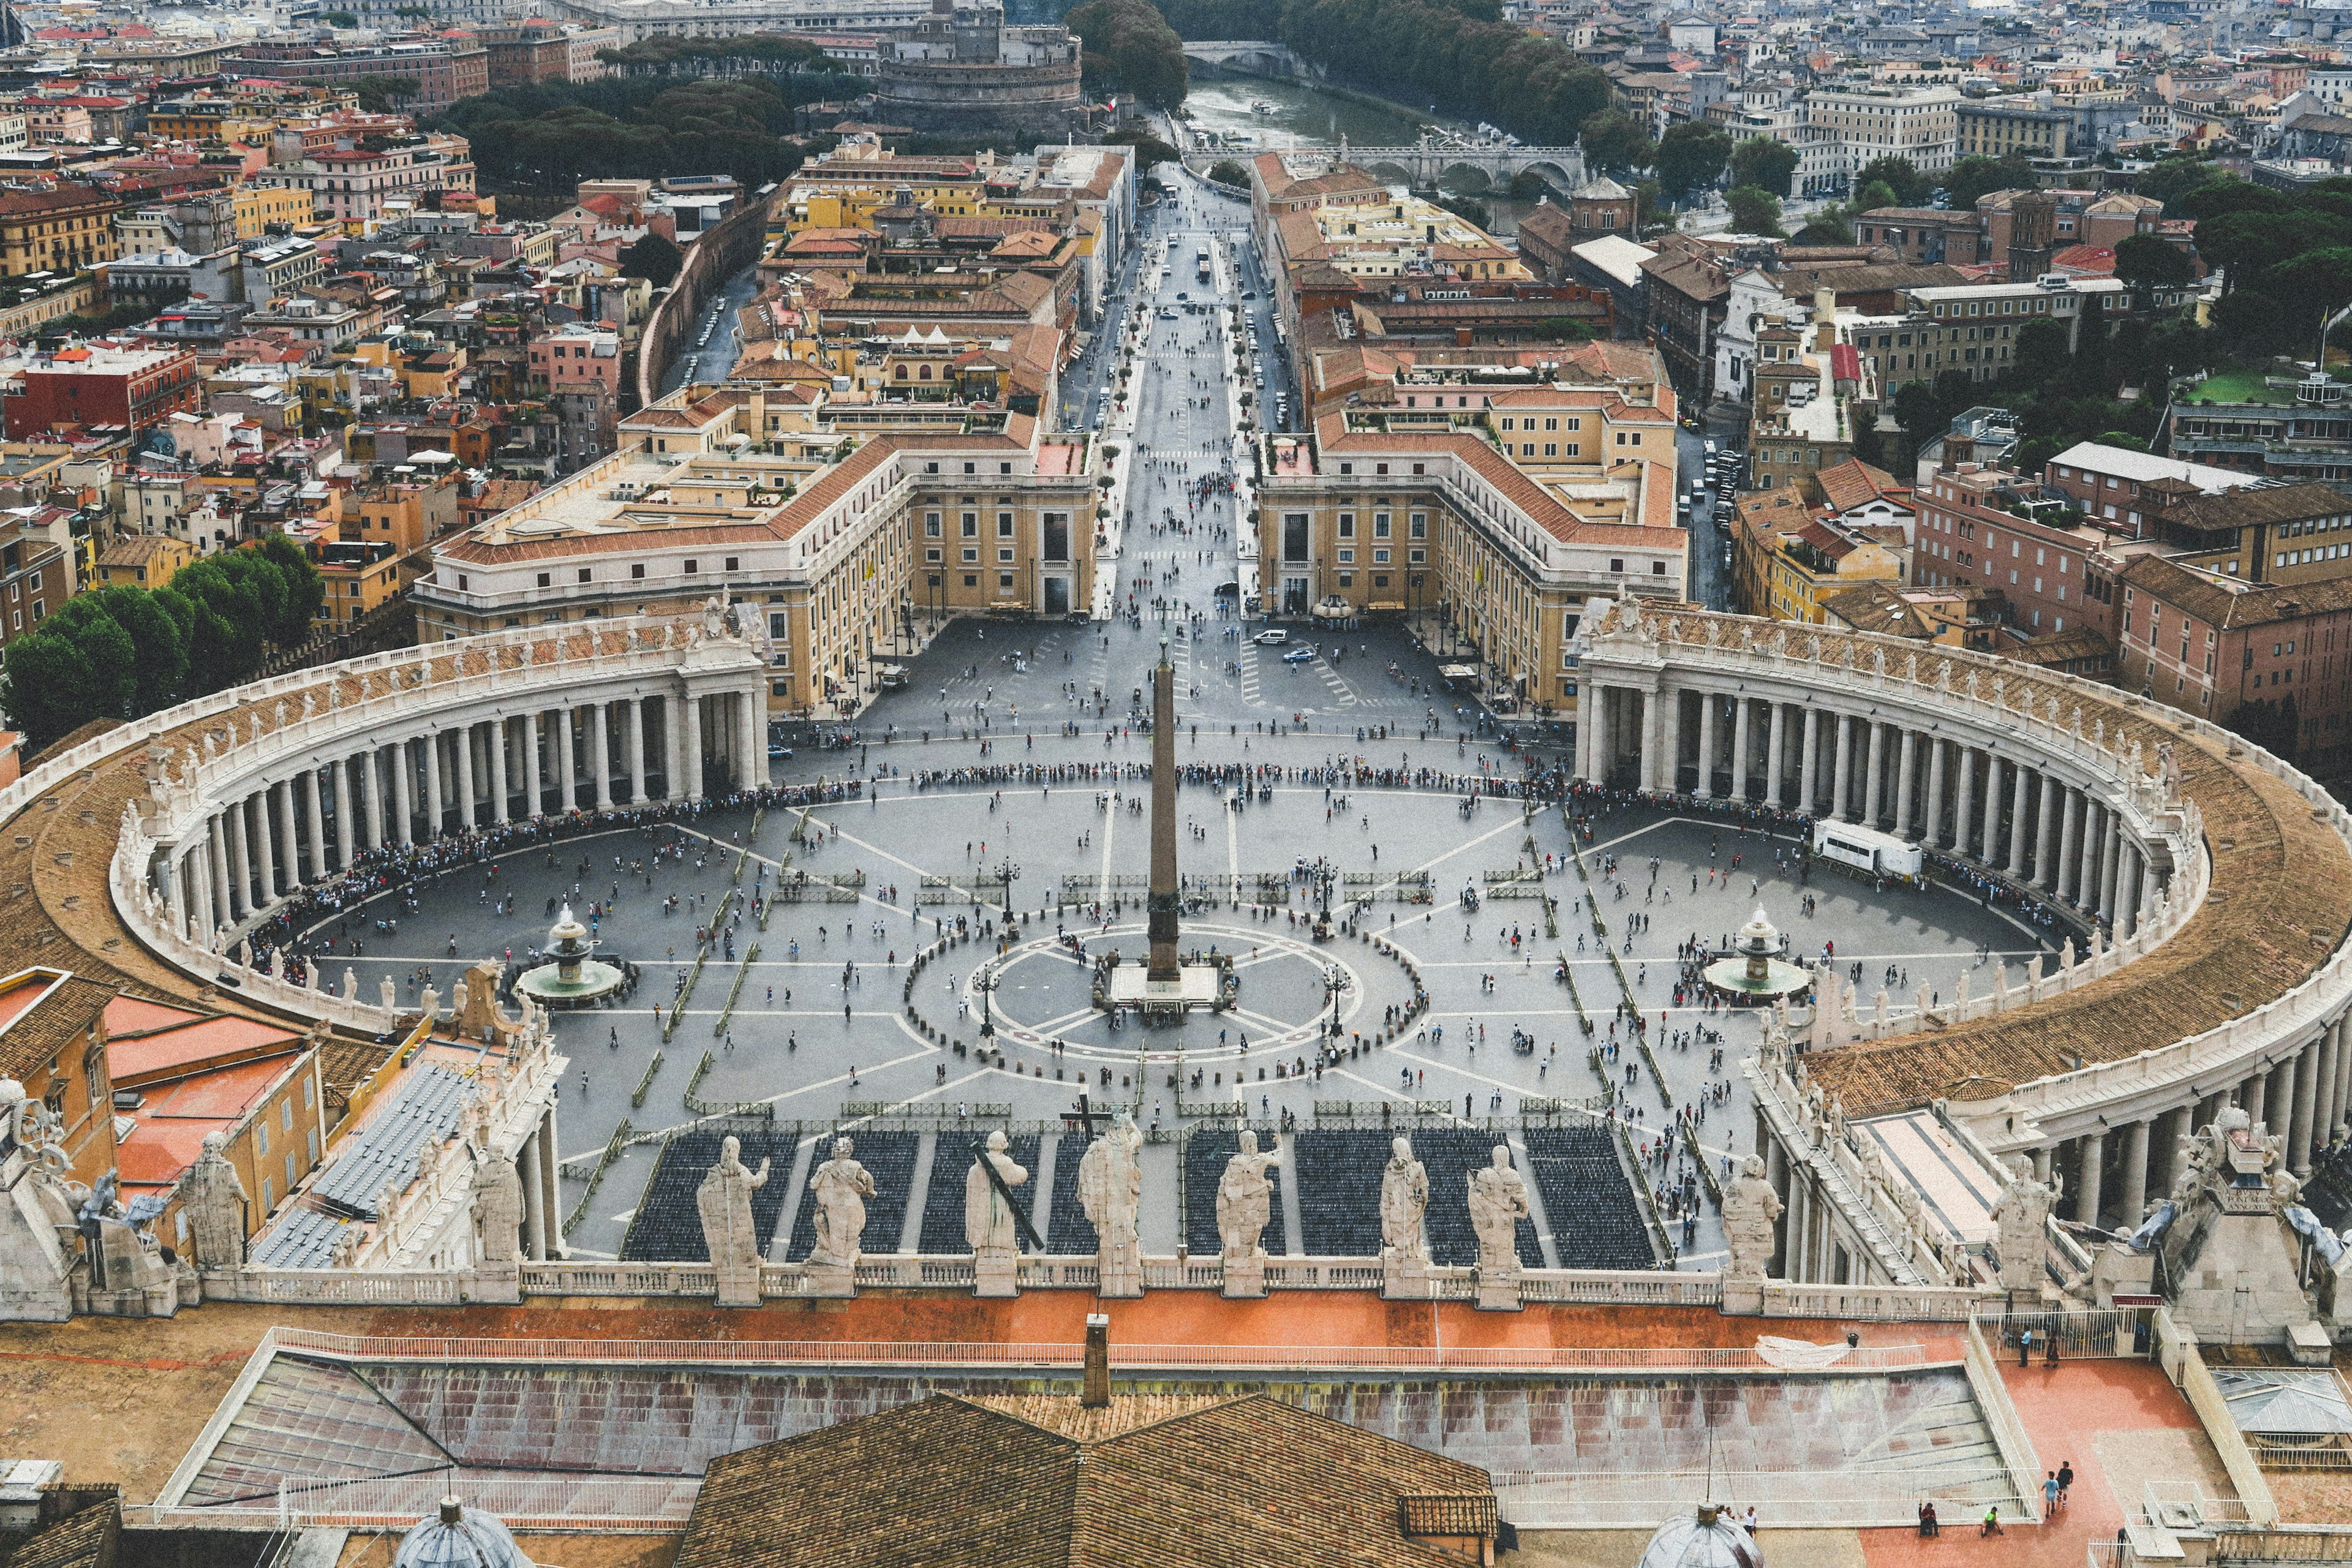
1252	56
1426	161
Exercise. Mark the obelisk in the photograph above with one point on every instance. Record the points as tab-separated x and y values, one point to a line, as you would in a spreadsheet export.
1163	965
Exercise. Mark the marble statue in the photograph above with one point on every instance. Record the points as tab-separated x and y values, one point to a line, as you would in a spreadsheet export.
213	1196
1499	1201
724	1200
1751	1207
1110	1189
498	1212
2020	1218
842	1186
987	1223
388	995
1404	1198
1244	1201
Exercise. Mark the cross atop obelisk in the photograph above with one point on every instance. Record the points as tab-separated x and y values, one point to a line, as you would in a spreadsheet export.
1164	963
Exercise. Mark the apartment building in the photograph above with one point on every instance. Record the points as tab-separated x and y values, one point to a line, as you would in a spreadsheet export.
2109	484
1502	529
842	525
2209	646
67	229
1995	129
99	384
1991	527
1921	123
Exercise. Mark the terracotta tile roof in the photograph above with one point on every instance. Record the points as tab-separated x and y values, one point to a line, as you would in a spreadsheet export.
81	1539
2226	606
1010	1484
60	1019
1853	483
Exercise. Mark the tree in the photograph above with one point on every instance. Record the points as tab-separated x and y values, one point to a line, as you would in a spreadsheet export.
2041	352
2173	179
1614	140
1465	208
1974	178
160	651
1150	151
1564	329
1830	223
1764	163
1753	211
2148	263
1225	171
1128	44
653	258
1691	156
305	591
1898	174
1527	186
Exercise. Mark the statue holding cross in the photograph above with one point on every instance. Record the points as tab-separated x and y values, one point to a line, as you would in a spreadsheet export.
993	1224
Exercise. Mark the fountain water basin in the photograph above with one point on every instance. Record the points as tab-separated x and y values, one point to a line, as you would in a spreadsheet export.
1754	973
574	979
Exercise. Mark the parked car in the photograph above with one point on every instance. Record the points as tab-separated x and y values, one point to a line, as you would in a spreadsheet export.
1273	637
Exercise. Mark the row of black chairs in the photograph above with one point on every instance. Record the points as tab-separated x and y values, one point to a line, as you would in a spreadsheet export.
952	1163
1596	1221
889	1159
667	1225
1339	1176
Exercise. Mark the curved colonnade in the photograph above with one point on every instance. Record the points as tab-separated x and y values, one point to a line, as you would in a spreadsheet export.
2223	875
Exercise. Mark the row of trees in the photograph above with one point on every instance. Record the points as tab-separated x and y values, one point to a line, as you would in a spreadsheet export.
1129	49
120	651
548	136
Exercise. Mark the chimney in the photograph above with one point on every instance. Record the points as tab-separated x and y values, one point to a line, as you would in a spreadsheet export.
1095	1395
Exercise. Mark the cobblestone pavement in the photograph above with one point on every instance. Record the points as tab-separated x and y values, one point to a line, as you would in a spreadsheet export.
817	1019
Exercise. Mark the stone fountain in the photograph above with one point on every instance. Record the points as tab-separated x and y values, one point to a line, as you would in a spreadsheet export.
1754	972
574	979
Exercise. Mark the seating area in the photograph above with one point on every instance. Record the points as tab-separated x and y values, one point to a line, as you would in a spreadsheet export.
1595	1221
1450	1155
1339	1172
952	1163
889	1159
667	1227
1205	1153
1067	1229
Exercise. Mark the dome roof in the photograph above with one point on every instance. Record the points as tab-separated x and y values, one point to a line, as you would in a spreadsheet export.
458	1537
1703	1540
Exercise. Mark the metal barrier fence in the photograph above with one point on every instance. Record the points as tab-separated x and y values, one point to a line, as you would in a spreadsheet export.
1782	1498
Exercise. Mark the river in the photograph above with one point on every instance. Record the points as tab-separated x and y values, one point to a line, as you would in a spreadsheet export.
1307	116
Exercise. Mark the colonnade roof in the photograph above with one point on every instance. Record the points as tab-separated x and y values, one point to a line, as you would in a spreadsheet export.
2279	904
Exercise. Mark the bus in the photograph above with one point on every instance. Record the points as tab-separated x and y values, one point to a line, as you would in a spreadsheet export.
1868	851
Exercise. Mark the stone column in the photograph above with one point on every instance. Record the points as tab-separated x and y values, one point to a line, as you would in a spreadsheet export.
692	707
2045	828
466	818
1906	781
600	714
1741	748
1964	770
2094	1147
2114	834
2253	1095
224	885
240	882
2127	881
318	824
1990	831
1841	772
567	761
2086	882
437	803
551	1192
501	792
2069	868
346	843
637	750
2341	1093
2135	1175
2017	821
1705	788
2306	1096
290	832
755	738
1931	831
534	790
1874	770
1809	753
265	847
403	793
371	781
2042	1164
534	1202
